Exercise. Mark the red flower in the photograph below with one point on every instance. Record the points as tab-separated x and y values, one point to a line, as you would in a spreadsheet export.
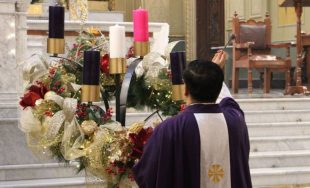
182	107
169	74
34	93
130	53
121	170
104	64
52	71
40	90
29	99
139	140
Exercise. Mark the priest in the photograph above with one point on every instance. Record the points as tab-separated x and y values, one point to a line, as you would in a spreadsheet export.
206	145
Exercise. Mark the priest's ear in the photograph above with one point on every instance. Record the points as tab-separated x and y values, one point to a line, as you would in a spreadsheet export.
186	93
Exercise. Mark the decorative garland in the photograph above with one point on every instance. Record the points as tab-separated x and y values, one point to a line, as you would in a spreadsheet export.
58	125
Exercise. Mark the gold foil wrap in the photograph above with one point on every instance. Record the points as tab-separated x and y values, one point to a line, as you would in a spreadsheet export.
141	48
117	66
55	46
178	92
90	93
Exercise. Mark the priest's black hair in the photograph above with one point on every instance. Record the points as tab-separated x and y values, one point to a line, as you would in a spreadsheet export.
204	80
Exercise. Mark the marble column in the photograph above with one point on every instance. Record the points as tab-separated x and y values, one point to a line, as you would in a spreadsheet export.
21	37
13	44
21	30
8	64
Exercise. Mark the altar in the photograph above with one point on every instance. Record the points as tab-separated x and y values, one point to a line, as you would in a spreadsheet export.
278	125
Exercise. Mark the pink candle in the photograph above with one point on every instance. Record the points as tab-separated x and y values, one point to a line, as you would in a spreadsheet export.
140	25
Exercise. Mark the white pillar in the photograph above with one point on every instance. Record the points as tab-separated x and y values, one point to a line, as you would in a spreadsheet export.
21	29
13	44
8	73
21	39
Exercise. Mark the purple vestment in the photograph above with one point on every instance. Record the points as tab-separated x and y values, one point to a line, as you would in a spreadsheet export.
171	158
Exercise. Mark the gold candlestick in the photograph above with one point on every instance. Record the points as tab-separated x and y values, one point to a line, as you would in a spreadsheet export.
178	92
141	48
117	66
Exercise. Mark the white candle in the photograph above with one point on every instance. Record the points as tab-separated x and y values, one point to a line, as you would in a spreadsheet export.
117	41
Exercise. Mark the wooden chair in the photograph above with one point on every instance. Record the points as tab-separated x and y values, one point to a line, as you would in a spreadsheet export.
252	50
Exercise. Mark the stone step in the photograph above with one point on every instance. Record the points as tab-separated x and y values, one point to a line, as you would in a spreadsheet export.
261	177
293	158
136	117
278	129
279	143
273	116
35	45
8	110
268	177
8	96
39	171
75	182
301	103
276	116
9	121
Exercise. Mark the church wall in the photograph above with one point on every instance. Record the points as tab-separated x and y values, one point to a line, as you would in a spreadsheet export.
170	11
283	26
246	9
284	22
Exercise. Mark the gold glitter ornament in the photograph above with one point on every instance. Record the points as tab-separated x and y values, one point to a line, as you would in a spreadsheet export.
136	127
53	96
49	94
78	10
38	102
89	127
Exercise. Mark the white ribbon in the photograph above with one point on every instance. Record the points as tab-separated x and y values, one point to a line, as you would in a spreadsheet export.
69	106
28	123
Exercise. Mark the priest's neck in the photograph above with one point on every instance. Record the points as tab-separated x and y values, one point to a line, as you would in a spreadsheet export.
191	101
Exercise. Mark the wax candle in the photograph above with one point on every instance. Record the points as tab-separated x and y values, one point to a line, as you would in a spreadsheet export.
178	63
117	41
56	22
91	67
140	25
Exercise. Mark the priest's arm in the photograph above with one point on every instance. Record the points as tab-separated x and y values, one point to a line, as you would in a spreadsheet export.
238	139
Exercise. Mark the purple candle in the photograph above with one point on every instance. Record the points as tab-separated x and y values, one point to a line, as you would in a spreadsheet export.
56	22
178	64
91	69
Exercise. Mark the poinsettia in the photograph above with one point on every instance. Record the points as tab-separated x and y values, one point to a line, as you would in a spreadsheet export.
29	99
139	140
40	90
34	93
130	53
104	64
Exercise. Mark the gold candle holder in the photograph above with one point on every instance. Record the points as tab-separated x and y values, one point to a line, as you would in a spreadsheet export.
141	48
90	93
55	46
178	92
117	66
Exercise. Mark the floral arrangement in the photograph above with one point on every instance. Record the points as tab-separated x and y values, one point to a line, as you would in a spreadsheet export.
58	125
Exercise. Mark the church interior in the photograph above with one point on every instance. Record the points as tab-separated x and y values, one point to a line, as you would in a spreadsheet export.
267	70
